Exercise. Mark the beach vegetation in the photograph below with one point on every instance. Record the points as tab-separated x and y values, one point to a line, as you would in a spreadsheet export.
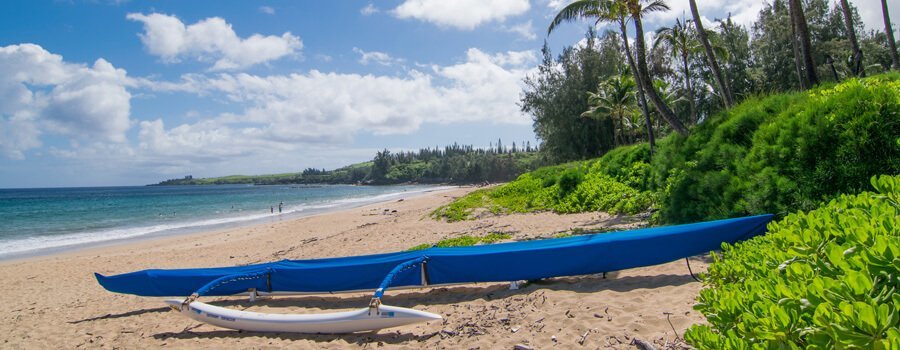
781	153
774	154
465	241
594	185
823	279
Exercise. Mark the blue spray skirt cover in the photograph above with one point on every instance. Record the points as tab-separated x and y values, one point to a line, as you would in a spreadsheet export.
528	260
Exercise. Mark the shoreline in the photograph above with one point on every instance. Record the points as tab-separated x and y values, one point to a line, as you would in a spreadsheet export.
207	230
66	307
334	206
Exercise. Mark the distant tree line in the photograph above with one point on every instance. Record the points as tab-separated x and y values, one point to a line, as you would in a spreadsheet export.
454	164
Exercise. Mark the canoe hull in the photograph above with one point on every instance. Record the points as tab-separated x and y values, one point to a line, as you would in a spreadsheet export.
528	260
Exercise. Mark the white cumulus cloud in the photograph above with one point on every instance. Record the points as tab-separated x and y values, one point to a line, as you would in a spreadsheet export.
42	94
461	14
743	12
377	57
369	10
267	10
211	39
287	112
524	30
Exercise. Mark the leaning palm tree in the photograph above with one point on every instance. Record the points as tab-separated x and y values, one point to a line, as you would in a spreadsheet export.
615	100
798	18
890	34
724	88
636	8
619	11
856	64
609	11
680	44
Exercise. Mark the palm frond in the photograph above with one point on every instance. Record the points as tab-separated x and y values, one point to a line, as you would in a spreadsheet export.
655	6
574	11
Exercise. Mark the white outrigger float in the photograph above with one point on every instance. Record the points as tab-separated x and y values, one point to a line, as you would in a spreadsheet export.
361	320
529	260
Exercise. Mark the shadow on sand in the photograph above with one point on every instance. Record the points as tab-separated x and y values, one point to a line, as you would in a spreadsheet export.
412	299
124	314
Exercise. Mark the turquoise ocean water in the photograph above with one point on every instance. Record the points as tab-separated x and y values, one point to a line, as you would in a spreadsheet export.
44	220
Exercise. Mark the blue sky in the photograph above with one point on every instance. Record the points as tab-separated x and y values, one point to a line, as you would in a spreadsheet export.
131	92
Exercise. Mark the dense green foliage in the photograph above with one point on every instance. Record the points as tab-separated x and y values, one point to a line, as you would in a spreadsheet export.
617	183
826	279
776	154
774	68
452	164
755	60
556	97
782	153
465	241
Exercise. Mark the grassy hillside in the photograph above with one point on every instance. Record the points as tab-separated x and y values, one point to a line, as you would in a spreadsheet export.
774	154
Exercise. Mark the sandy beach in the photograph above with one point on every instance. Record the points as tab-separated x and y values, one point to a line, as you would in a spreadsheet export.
55	302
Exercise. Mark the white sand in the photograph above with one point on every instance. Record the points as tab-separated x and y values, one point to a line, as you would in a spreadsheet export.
55	302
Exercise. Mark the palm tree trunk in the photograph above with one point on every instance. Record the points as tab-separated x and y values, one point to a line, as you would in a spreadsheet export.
798	65
621	130
640	87
890	34
857	64
724	88
799	20
687	85
664	111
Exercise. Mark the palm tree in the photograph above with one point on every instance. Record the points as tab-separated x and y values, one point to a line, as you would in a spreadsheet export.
599	9
679	41
890	34
799	22
614	99
609	11
637	9
857	59
724	88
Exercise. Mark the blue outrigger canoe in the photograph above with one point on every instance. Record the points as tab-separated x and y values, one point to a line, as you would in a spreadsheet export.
528	260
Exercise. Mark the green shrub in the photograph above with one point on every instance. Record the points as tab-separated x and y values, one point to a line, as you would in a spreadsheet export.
573	187
628	165
465	241
781	153
694	174
824	279
462	241
420	247
599	192
495	237
461	208
774	154
833	144
569	181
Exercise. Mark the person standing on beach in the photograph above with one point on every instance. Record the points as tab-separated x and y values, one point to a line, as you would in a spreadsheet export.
280	204
272	209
